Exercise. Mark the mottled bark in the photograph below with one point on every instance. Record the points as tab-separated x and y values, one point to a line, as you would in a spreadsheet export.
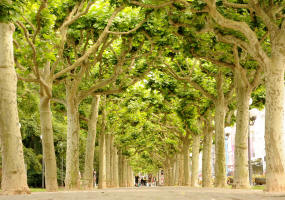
206	160
186	167
72	179
195	160
102	162
275	164
220	161
243	91
181	169
115	168
47	133
108	160
90	144
14	178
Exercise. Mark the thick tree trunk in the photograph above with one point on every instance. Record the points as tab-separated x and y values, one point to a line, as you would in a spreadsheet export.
220	161
47	134
108	160
90	145
275	164
115	168
195	160
72	179
48	144
241	179
186	170
14	178
206	160
102	162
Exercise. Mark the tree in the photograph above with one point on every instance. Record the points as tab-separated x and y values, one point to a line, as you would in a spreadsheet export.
14	177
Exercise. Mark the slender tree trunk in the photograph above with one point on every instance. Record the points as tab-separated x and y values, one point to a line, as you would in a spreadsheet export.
120	168
102	162
90	145
102	151
195	160
275	163
115	168
125	172
186	170
48	144
108	160
241	179
72	179
112	160
176	168
181	169
220	161
47	134
206	160
14	178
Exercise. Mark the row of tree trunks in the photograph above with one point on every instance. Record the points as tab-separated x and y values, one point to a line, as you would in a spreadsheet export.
14	177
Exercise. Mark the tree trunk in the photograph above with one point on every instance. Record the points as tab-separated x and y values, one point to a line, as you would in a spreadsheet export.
48	144
111	161
220	161
186	170
47	134
195	160
90	145
102	162
181	169
206	160
120	168
115	168
176	170
241	179
275	164
14	177
72	179
125	172
108	160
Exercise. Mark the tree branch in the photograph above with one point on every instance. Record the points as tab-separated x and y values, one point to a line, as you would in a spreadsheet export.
152	6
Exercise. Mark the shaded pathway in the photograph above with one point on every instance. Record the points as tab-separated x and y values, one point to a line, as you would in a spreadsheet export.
155	193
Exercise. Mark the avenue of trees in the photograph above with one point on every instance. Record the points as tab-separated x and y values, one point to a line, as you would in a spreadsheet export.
128	86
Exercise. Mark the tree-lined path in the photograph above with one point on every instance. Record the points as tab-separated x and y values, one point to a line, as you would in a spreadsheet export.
106	90
158	193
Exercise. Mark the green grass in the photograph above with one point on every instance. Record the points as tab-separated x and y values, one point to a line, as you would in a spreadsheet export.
258	187
37	189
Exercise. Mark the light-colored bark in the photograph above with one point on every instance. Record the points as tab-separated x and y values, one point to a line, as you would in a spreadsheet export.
90	144
206	160
102	163
111	161
243	91
120	168
72	179
275	164
125	172
47	134
102	150
108	160
176	170
195	160
115	168
14	178
186	170
220	161
181	169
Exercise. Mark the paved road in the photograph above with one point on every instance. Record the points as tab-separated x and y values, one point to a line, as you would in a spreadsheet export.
155	193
